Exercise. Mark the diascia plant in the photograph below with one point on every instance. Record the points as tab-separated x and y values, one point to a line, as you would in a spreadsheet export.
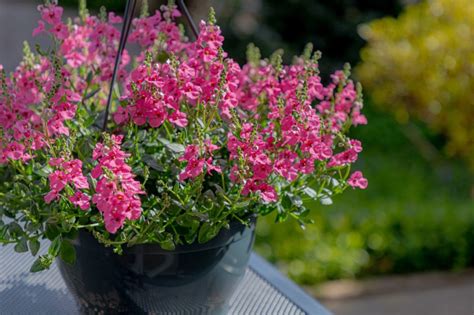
195	141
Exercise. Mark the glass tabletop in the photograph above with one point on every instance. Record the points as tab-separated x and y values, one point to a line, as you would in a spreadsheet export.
263	290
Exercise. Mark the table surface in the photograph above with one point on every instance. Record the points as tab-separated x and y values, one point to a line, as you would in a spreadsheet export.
264	290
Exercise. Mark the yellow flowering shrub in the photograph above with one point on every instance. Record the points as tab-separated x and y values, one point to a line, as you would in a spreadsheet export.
421	65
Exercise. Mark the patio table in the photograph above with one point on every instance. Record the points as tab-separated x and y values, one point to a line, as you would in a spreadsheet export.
264	290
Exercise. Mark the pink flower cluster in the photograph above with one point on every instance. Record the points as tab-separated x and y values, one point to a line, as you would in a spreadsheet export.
270	125
68	173
158	31
156	93
116	192
93	44
196	162
289	120
51	14
297	134
357	180
25	126
33	111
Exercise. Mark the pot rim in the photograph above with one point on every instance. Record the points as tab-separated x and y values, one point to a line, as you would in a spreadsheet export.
225	237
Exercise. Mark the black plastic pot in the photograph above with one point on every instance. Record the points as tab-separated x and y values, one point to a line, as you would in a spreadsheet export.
192	279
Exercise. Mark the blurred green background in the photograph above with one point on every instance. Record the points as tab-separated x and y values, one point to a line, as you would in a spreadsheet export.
418	211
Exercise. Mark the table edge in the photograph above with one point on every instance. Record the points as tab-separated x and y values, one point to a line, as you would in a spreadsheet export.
285	286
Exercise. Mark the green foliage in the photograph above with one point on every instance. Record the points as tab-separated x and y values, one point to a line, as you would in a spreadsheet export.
409	218
421	65
112	5
289	24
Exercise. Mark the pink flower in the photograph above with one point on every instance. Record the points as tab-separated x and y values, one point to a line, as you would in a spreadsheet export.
56	126
67	173
52	195
191	91
15	151
158	117
358	118
210	147
357	180
121	115
114	19
39	29
60	31
51	13
356	145
58	180
80	200
344	158
179	119
211	167
262	167
268	193
56	161
193	169
116	197
75	59
190	152
306	166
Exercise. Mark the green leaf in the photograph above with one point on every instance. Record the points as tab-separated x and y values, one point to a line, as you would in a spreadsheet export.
34	246
190	238
174	147
67	252
166	241
142	135
310	192
242	204
207	232
325	200
52	231
286	202
67	224
188	221
21	246
90	120
152	162
14	229
92	94
37	265
41	263
89	77
43	172
55	246
281	217
32	227
162	56
167	244
3	232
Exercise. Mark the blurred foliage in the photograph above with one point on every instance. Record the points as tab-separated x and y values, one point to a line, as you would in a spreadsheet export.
422	65
330	25
94	5
289	24
409	219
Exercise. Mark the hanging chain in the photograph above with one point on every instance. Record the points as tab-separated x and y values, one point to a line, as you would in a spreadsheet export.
189	18
127	22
